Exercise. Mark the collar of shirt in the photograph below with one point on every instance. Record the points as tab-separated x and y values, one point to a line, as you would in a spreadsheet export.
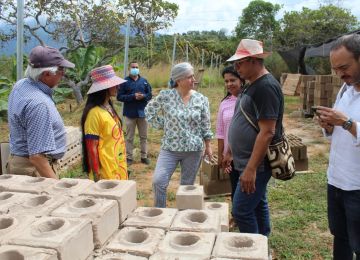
44	88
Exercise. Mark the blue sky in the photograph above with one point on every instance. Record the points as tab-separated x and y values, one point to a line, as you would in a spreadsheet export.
204	15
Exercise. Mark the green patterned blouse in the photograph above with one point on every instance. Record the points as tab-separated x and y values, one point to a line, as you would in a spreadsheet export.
185	126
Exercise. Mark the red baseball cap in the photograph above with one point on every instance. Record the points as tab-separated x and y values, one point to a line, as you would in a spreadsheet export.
45	56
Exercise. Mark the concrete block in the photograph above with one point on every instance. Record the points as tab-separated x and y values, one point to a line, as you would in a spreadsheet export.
120	256
197	221
223	209
103	213
35	185
9	199
69	187
141	242
38	205
241	246
12	224
190	197
215	187
4	155
8	252
185	245
8	180
151	217
71	238
124	192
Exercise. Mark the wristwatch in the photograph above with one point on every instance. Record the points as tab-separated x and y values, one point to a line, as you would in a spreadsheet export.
347	124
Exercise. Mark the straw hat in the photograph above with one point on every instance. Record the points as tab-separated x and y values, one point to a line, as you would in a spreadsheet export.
249	48
103	78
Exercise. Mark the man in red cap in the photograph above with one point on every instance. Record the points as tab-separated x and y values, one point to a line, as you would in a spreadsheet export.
261	102
37	132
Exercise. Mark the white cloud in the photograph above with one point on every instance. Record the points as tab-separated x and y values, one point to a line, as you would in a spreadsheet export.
205	15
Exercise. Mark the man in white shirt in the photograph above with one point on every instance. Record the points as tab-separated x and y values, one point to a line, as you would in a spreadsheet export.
341	124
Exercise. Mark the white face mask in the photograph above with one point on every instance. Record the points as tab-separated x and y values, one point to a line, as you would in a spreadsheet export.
134	71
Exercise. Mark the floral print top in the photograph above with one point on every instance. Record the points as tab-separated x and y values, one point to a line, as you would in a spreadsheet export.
185	126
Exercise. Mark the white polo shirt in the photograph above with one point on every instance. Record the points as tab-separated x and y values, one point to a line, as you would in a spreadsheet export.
344	159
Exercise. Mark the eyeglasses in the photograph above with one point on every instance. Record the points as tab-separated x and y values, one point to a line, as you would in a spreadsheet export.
238	63
61	69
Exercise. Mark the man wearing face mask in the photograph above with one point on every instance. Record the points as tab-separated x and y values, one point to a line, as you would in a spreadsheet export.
135	93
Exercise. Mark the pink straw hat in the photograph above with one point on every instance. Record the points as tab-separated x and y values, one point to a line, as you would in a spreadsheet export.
249	48
103	78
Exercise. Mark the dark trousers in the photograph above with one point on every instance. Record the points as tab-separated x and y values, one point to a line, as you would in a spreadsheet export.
344	222
234	179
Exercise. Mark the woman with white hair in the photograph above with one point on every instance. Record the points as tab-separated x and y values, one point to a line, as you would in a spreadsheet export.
184	115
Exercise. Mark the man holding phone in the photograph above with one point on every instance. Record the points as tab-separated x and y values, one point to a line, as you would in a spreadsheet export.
341	124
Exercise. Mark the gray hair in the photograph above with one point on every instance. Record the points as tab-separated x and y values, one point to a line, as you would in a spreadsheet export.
350	42
35	73
180	71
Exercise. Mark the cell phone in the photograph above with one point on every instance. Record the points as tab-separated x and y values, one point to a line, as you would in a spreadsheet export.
314	110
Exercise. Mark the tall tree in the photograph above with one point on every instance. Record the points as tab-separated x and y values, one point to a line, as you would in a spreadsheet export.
85	23
258	20
313	26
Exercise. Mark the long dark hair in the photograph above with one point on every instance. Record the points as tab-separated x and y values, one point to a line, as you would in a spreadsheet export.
94	99
231	70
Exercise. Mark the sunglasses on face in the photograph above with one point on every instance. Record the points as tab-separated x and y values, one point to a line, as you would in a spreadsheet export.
238	63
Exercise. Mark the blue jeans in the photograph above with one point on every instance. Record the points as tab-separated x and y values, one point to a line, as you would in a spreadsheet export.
251	211
344	222
234	180
165	167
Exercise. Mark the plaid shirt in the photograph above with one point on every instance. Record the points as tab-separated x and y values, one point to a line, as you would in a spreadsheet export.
36	126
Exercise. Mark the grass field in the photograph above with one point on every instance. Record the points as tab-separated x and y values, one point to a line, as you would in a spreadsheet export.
298	207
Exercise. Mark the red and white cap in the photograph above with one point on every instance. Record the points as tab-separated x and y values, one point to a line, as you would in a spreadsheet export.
249	48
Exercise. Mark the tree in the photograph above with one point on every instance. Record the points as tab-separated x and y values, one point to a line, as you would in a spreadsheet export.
258	21
314	26
85	23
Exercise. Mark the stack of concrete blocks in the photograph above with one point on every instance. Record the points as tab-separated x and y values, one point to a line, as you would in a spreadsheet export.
56	222
323	90
213	178
304	90
319	90
83	220
192	197
73	148
299	151
291	85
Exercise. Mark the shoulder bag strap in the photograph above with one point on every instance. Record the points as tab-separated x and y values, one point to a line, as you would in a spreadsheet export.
248	118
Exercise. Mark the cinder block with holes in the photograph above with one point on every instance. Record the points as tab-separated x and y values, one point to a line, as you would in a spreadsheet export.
188	245
71	238
190	197
151	217
9	252
120	256
11	224
223	209
136	241
124	192
103	213
9	199
38	205
197	221
241	246
69	187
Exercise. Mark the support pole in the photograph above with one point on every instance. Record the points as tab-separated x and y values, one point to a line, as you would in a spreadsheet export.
126	55
19	39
